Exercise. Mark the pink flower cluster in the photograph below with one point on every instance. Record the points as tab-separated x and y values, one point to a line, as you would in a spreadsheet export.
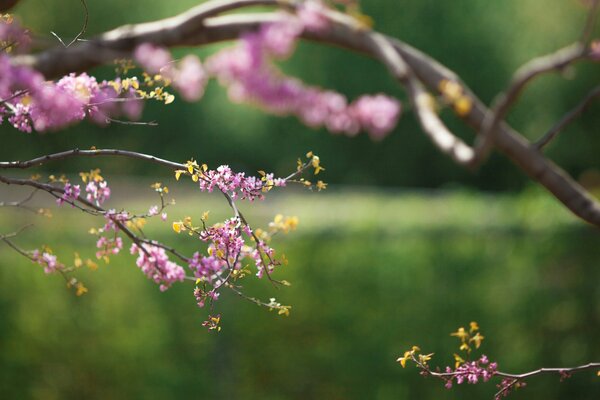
187	76
472	371
312	14
155	264
248	72
70	195
111	218
226	251
258	260
30	102
237	184
13	35
108	247
47	260
201	296
97	192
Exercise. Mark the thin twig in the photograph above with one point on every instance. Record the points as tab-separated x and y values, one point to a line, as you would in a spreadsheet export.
81	31
590	22
593	365
89	153
556	61
567	119
21	203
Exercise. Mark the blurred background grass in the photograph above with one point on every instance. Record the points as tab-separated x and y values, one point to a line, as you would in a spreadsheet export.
398	252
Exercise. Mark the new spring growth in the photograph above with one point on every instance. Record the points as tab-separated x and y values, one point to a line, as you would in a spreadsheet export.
454	95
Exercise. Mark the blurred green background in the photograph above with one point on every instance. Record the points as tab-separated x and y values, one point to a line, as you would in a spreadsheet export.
403	248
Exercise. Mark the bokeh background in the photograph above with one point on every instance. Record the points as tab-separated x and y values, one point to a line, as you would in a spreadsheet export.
403	248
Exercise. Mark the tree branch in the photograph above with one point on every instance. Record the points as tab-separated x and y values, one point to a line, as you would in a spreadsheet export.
567	119
88	153
503	102
194	28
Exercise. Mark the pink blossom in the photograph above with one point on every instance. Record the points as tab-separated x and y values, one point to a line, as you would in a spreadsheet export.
152	58
250	76
97	192
377	114
108	246
13	33
155	264
20	118
47	260
70	195
472	372
278	39
190	78
112	217
312	14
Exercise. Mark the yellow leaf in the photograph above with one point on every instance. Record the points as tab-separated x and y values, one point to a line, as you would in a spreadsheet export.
477	339
91	265
473	326
463	106
77	262
458	361
80	289
423	358
461	334
451	90
177	226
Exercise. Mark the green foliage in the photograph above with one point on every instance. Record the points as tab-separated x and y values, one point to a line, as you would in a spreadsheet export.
371	274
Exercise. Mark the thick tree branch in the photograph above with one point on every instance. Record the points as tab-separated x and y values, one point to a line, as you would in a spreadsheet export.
194	28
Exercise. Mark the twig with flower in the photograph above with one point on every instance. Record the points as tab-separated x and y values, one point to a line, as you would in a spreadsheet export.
222	268
480	369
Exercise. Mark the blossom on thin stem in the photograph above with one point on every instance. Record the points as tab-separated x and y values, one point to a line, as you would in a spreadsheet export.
70	195
47	260
155	264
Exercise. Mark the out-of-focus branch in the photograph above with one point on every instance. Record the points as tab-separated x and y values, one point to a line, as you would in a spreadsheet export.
6	5
21	203
556	61
567	119
423	102
194	28
588	29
